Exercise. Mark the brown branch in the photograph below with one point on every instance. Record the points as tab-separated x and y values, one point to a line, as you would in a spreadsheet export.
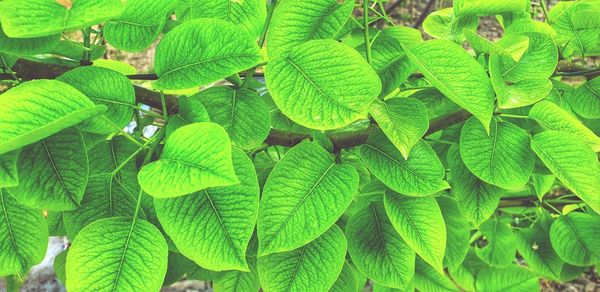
28	70
424	14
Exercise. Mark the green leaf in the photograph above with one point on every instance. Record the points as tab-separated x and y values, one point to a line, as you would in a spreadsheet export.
457	75
185	166
443	24
313	267
27	46
436	103
107	155
59	266
8	169
542	184
308	87
575	26
190	110
237	281
248	14
510	279
420	223
538	61
519	94
202	51
305	194
296	22
429	279
376	248
403	120
390	62
572	161
38	109
477	200
213	227
139	24
243	114
552	117
105	196
104	87
586	99
501	244
404	34
53	172
421	175
465	274
485	8
458	232
177	266
117	254
346	281
575	236
535	247
503	158
56	226
23	236
36	18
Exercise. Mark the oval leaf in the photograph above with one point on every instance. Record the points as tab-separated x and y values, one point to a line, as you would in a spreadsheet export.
307	87
403	120
575	236
421	175
573	162
457	75
202	51
186	166
510	279
117	254
37	109
313	267
104	87
53	172
503	158
305	194
420	223
248	14
23	236
376	248
213	227
243	114
551	117
296	22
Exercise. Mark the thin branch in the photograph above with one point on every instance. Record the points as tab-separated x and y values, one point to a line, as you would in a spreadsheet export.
424	14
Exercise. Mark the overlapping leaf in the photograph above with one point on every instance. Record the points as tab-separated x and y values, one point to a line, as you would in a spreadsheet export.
503	158
308	87
457	75
420	223
421	175
376	248
104	87
242	113
23	236
575	236
572	161
248	14
117	254
403	120
37	109
305	194
296	22
36	18
53	172
501	244
202	51
313	267
186	166
213	227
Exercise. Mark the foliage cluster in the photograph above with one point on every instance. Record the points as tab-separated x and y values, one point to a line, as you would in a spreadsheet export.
366	153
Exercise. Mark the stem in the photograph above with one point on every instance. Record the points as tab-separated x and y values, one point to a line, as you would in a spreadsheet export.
545	10
150	113
87	53
127	135
163	102
261	41
386	18
366	29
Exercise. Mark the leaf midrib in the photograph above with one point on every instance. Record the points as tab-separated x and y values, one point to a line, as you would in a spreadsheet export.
13	240
321	92
58	176
222	224
163	75
287	219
